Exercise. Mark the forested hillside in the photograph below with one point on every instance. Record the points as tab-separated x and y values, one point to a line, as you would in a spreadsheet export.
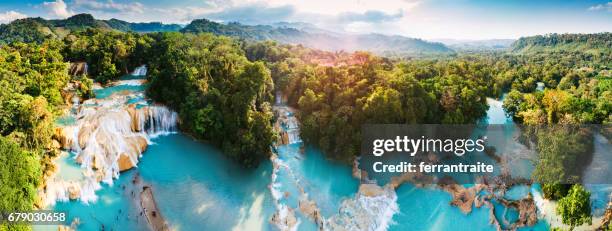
377	43
39	29
592	43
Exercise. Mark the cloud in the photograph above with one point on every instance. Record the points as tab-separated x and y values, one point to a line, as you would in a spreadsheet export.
109	6
606	7
371	16
11	15
58	9
184	14
323	12
256	13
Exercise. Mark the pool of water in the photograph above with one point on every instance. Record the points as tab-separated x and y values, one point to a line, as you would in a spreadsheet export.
517	192
430	209
194	185
505	215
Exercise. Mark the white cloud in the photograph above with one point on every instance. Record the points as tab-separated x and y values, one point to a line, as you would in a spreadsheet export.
109	6
184	14
332	7
323	12
58	9
606	7
11	15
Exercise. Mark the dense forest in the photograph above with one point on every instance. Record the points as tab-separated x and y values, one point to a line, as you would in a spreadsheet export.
220	95
587	43
223	89
32	77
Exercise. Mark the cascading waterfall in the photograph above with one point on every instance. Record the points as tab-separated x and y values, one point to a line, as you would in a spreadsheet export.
366	212
140	71
372	208
289	127
108	137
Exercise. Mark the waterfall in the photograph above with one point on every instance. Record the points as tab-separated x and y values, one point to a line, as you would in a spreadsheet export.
109	140
161	121
366	212
140	71
108	137
372	207
290	128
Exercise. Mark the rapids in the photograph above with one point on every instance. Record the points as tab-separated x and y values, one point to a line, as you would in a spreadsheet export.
196	187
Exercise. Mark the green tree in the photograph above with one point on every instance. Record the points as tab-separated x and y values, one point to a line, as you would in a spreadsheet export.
575	208
19	177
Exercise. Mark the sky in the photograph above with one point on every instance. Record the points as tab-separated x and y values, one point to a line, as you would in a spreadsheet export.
427	19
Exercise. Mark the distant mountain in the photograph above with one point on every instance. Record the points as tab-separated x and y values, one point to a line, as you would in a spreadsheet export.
320	39
142	27
38	29
476	45
590	43
303	26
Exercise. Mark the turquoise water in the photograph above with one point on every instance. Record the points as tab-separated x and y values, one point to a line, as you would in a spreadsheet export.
326	182
121	89
197	187
517	192
505	215
194	185
430	209
66	120
69	169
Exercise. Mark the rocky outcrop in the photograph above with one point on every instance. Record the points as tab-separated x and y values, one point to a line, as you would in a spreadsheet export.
128	160
463	197
310	209
286	219
74	191
607	218
151	211
63	135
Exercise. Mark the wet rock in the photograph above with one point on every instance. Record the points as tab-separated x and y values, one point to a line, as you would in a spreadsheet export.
84	134
463	197
128	160
607	218
151	211
310	209
63	135
74	191
125	162
64	228
371	190
284	220
137	117
284	138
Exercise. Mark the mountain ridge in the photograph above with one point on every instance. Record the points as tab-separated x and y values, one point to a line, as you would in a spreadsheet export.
377	43
588	43
36	29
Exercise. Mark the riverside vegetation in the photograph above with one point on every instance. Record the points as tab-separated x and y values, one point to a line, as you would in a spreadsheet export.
223	89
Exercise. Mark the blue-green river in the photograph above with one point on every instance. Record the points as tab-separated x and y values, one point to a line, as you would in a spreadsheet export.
197	188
